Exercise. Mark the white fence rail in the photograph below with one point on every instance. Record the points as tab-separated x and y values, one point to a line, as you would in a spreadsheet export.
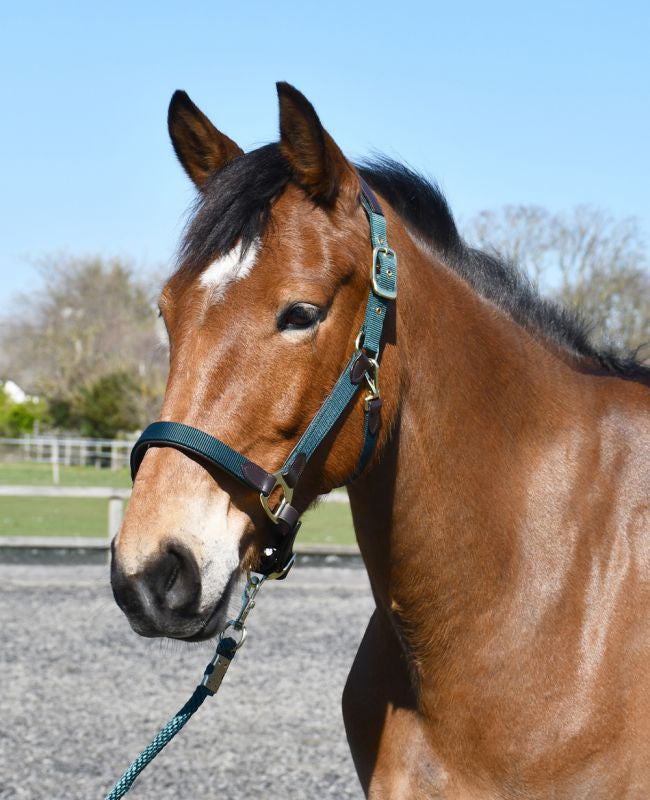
67	451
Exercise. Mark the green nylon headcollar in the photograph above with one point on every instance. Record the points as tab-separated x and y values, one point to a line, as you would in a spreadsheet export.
362	366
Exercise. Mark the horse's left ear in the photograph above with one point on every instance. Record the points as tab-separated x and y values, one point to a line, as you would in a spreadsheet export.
317	163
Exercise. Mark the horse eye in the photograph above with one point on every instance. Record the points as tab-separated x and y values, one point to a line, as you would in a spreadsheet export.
299	317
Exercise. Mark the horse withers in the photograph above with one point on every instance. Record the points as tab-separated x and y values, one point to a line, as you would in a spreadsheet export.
503	516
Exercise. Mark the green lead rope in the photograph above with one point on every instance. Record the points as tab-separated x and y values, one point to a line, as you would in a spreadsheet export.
226	650
160	740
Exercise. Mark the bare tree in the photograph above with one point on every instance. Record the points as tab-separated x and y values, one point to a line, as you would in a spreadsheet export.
90	317
520	234
586	258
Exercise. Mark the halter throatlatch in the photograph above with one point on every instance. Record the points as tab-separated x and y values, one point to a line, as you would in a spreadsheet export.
363	367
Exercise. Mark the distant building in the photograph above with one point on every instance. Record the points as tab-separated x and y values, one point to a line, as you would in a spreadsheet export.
15	393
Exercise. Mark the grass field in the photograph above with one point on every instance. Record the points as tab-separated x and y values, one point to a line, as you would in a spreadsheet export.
329	523
30	474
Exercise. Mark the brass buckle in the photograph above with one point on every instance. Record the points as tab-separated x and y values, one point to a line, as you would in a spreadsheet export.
285	500
387	294
373	384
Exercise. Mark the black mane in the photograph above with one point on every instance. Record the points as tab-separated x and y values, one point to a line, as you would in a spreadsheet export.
424	210
236	206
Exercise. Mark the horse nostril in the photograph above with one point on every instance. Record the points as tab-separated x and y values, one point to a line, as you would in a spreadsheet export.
175	580
172	577
164	597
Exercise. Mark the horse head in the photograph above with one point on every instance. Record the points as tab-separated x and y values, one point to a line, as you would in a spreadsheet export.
261	315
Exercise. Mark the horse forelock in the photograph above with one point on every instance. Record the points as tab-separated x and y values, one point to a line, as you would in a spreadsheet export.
234	208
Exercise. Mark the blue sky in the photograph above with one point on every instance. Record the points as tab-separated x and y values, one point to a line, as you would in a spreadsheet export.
502	102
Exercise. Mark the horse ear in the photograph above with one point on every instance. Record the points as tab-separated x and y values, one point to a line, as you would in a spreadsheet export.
200	147
317	163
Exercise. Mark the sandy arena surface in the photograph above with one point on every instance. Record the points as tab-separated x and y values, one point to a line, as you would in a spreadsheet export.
82	694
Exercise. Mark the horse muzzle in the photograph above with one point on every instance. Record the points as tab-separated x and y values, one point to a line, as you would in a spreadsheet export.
164	597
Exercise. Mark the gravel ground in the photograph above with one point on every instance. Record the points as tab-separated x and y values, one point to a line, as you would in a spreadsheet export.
82	694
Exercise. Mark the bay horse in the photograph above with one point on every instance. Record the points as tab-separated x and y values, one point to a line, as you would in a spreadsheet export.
503	517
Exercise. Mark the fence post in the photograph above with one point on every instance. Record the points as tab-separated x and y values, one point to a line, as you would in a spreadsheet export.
115	513
54	456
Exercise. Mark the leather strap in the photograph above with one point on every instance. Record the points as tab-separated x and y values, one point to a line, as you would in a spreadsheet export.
371	197
196	442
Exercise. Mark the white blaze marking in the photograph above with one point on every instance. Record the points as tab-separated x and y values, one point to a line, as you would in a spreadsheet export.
227	269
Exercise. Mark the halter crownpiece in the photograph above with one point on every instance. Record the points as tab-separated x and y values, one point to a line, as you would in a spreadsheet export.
362	366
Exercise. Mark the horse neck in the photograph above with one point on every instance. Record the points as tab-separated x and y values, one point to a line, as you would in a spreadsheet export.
435	515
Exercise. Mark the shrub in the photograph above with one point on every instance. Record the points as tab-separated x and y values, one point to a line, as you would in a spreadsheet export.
108	406
19	418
